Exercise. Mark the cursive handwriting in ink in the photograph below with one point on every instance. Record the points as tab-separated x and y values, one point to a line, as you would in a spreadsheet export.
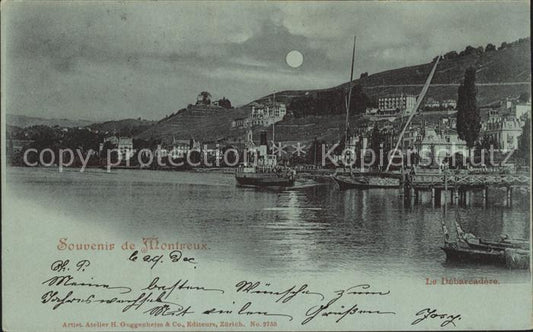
429	313
54	297
351	291
143	298
179	285
174	256
63	265
245	310
154	297
167	310
282	295
325	310
68	281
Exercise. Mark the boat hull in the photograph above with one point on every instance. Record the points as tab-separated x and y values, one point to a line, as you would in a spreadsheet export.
366	181
264	180
473	255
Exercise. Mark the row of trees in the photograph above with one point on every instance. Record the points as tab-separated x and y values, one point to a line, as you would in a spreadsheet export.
477	51
204	98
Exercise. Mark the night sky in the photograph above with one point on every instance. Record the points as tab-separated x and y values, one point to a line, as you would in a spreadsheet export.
101	61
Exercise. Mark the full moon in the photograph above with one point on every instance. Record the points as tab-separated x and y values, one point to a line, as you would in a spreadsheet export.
294	59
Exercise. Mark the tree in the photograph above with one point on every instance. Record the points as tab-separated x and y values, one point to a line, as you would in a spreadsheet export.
468	118
204	98
314	155
364	75
490	48
376	139
503	45
451	55
226	103
524	144
358	101
469	50
231	156
125	131
195	157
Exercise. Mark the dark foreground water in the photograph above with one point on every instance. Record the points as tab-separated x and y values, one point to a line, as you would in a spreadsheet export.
310	228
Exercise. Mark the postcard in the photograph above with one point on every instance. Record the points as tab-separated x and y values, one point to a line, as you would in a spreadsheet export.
266	166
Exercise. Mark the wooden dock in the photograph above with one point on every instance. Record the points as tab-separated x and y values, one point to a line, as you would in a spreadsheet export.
462	184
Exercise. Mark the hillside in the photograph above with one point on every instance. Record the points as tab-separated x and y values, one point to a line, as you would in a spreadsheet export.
500	73
126	127
24	121
206	124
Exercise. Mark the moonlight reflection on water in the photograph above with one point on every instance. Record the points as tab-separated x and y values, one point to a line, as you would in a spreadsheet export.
311	229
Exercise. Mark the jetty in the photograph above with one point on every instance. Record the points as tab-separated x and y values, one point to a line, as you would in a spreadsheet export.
461	183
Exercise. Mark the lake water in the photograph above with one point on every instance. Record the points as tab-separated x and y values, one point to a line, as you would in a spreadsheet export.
308	229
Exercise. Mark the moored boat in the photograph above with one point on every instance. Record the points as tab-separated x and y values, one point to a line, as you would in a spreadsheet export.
467	254
513	254
264	170
385	178
367	180
265	176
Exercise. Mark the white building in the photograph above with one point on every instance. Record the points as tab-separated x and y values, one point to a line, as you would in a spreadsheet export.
124	146
403	103
212	150
504	129
161	152
180	148
440	144
523	110
265	115
241	123
449	103
372	111
432	103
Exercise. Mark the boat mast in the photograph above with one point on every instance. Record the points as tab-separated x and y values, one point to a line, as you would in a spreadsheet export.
348	101
274	122
413	112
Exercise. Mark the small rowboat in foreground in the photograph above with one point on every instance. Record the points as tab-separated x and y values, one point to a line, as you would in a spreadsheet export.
513	254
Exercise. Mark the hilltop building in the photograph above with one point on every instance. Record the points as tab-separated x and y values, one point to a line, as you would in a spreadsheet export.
432	103
204	98
448	104
402	103
265	115
261	115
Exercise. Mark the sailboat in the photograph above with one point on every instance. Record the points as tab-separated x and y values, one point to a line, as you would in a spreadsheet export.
386	179
265	171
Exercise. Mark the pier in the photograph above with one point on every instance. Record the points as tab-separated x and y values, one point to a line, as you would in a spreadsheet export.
458	188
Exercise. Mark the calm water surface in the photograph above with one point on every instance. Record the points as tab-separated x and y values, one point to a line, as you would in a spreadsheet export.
310	228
